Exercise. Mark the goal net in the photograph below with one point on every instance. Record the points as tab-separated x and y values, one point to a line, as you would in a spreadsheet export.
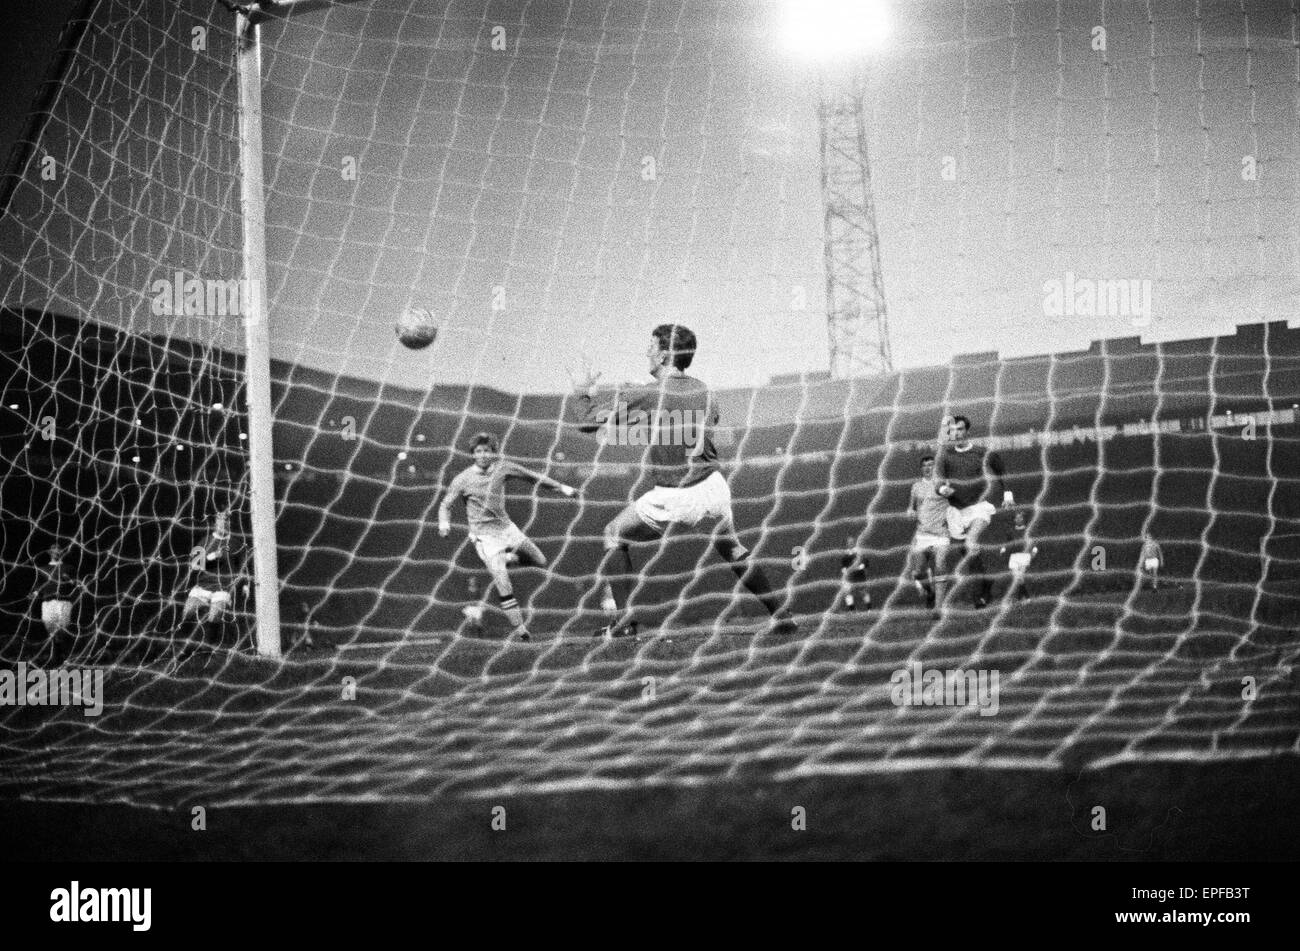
1086	218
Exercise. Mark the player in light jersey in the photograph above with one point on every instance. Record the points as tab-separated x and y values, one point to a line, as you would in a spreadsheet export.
670	416
927	560
498	540
970	476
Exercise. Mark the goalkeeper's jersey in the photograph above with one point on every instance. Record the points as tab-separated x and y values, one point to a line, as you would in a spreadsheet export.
55	586
975	473
485	493
219	564
672	417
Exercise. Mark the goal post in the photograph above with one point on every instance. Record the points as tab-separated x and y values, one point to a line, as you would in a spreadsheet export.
257	339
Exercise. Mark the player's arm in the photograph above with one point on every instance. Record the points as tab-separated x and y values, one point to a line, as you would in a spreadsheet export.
444	510
514	470
996	472
942	485
593	411
595	408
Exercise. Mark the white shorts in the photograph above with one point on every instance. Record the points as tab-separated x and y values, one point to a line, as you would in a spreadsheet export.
213	599
1151	564
491	543
56	614
960	520
1019	561
924	542
704	501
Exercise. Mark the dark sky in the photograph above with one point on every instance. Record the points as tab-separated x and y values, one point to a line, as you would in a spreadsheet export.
26	46
524	169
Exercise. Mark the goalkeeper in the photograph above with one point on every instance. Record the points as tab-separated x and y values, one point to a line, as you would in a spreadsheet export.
970	477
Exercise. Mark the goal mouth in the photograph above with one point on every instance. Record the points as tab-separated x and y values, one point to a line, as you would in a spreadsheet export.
216	219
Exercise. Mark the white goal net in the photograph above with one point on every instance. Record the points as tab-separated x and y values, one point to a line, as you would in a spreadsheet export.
1087	227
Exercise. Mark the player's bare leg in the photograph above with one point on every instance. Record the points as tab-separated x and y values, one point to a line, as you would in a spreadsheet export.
752	576
526	555
212	622
945	561
616	574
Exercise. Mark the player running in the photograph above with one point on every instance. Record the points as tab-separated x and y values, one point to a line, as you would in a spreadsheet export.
671	416
498	540
927	560
969	476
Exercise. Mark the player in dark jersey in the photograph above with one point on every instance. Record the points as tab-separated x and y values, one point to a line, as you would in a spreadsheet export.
670	416
56	593
1019	551
499	542
969	477
854	563
1150	561
215	570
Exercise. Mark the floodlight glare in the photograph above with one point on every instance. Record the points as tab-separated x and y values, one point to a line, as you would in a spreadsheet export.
834	29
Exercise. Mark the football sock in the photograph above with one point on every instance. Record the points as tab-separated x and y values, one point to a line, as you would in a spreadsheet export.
617	570
755	580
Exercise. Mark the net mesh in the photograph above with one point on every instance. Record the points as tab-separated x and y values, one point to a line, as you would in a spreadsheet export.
555	179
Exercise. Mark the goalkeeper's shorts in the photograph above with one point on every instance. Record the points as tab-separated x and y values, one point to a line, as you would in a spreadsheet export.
706	501
960	520
493	541
56	615
213	599
926	541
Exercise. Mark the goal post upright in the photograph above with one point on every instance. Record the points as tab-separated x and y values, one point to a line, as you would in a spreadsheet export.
257	338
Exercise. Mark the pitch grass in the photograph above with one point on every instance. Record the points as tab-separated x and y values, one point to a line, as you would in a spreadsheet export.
1246	811
558	732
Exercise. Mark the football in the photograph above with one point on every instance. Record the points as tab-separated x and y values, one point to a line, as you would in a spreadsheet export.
416	328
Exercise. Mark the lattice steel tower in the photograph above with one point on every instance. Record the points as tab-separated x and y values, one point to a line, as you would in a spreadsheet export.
855	293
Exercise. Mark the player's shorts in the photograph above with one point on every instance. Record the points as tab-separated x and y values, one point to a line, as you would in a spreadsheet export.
925	541
1151	564
1019	561
692	505
492	542
213	599
56	614
960	520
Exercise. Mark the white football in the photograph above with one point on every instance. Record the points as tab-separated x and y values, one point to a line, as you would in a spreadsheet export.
416	328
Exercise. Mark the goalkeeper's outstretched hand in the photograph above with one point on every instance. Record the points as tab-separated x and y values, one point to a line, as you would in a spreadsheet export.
582	379
945	427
